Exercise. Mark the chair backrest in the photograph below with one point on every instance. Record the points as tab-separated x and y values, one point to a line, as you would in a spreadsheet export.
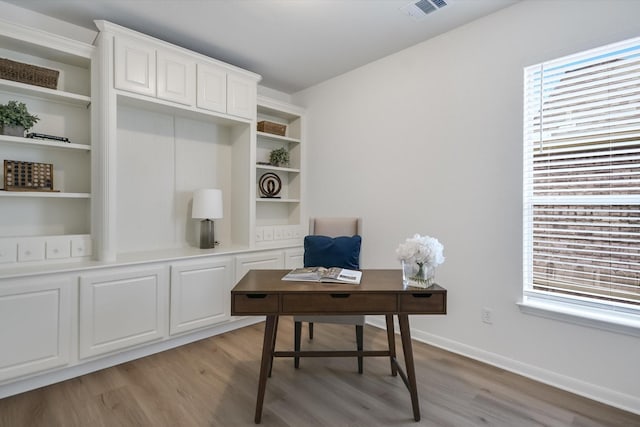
333	242
334	227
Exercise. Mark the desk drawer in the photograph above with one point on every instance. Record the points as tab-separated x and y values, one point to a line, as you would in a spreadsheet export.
254	304
339	302
423	303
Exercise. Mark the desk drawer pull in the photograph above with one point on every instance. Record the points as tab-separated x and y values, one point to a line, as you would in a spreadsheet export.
422	295
340	295
256	296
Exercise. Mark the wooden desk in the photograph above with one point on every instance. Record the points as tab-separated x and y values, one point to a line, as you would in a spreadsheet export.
263	292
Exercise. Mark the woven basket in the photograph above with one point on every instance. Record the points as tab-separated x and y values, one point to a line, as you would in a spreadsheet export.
271	127
29	74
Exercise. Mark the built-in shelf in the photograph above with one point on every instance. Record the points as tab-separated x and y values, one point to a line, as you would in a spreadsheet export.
269	200
49	194
45	93
278	137
284	216
277	168
64	110
44	143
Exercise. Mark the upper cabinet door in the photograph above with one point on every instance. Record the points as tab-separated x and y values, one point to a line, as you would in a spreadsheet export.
135	67
241	96
212	88
176	78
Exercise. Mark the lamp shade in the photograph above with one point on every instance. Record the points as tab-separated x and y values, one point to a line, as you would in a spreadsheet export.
207	204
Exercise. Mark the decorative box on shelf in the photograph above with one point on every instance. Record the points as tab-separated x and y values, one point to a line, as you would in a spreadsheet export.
271	127
29	74
27	176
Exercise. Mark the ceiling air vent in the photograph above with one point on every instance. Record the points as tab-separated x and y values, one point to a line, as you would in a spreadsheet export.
421	8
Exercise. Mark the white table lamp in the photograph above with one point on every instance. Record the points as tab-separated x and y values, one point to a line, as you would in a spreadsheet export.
207	206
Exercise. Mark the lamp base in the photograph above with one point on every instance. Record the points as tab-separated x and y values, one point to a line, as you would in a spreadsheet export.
207	238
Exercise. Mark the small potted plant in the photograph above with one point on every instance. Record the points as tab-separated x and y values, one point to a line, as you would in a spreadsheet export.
15	118
279	157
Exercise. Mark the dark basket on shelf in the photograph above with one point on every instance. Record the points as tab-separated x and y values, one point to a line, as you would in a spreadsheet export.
29	74
271	127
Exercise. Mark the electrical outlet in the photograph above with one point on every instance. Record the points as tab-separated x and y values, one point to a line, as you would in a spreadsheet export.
486	315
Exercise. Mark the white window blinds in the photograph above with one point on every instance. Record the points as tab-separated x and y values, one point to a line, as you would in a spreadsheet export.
582	176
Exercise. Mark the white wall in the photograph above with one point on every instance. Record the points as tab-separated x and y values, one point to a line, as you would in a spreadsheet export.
429	140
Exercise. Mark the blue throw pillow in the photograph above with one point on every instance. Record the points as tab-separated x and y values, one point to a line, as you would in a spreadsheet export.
324	251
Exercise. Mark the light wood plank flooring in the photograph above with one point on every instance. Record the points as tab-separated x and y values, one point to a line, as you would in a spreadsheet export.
213	382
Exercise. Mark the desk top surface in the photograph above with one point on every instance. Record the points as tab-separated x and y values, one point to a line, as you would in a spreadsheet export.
270	281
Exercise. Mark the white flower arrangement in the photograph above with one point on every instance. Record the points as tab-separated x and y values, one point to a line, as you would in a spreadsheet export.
420	255
422	250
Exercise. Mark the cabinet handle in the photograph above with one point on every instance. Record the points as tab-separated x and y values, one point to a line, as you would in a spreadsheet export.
256	296
340	295
422	295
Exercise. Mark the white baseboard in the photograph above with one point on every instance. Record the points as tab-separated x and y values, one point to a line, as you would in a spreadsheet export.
601	394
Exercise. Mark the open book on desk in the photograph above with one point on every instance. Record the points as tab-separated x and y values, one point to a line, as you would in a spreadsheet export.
322	274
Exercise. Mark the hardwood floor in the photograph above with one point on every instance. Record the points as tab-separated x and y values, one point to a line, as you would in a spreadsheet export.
213	382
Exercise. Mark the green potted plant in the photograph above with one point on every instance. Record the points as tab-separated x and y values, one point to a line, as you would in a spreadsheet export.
15	118
279	157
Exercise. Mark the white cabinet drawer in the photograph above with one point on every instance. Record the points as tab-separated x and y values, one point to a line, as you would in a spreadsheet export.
58	247
81	246
31	250
8	251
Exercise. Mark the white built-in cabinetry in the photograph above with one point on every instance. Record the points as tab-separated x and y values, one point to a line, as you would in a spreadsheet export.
122	307
241	96
118	312
176	76
40	226
150	67
258	261
149	123
279	219
36	317
212	88
200	293
171	121
135	66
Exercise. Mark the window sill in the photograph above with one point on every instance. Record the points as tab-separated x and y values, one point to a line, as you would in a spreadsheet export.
608	320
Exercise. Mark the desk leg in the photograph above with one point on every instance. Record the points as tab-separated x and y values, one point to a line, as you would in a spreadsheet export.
392	344
403	319
273	346
265	364
297	333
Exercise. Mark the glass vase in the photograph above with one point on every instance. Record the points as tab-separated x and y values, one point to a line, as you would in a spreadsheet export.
417	275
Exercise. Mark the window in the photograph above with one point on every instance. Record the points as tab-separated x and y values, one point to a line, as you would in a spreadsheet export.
582	180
